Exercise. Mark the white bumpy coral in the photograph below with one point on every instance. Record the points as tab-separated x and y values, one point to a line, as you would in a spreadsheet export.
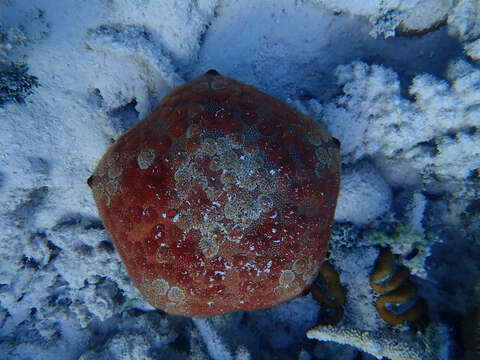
436	135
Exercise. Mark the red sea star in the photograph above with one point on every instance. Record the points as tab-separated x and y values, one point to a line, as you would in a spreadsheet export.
221	199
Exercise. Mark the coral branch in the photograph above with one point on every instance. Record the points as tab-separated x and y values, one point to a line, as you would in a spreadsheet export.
395	345
215	344
376	343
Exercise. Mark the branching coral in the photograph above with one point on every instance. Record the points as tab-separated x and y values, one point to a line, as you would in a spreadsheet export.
393	345
215	345
392	282
432	142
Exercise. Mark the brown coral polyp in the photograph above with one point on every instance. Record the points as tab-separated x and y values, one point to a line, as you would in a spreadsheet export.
328	291
331	293
221	199
399	302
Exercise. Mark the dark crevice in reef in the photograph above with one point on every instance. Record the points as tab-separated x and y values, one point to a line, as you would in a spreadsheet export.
78	220
25	211
107	246
55	250
94	97
124	117
429	53
401	30
2	180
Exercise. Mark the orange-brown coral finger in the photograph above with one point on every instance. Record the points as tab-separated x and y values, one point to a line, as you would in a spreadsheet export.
408	316
397	279
383	266
331	293
398	291
405	294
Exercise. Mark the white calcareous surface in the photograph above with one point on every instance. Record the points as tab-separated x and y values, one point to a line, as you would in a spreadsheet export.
364	195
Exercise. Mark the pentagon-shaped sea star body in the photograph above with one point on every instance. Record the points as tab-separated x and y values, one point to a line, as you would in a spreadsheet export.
220	200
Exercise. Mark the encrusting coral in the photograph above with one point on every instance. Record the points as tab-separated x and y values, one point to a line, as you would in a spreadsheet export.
328	291
392	282
220	200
